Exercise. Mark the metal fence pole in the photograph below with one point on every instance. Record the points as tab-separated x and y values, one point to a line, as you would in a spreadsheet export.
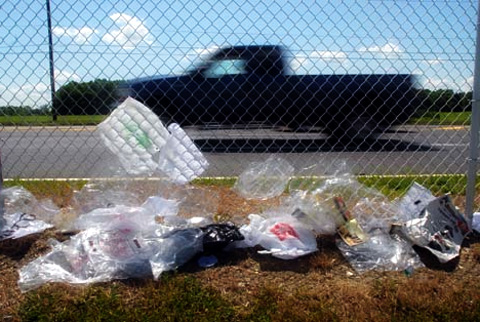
50	53
475	127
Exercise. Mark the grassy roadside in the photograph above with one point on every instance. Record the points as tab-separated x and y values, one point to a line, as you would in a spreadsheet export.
442	118
44	120
431	118
246	286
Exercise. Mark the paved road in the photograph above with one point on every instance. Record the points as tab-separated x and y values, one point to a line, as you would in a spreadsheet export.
76	152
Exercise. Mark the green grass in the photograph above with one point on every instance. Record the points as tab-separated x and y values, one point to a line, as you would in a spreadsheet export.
430	118
442	118
173	298
46	120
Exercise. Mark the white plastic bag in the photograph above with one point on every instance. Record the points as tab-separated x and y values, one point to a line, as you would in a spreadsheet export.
283	237
135	134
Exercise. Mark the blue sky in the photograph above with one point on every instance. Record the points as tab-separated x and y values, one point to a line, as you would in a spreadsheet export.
127	39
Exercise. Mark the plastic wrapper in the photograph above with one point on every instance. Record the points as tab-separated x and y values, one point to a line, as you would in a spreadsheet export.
98	255
180	159
440	228
381	252
21	224
135	135
264	180
283	237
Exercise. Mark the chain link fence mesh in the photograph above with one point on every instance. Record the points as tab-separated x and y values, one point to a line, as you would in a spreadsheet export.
384	85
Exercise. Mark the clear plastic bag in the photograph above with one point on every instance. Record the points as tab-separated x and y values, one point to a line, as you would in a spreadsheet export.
180	159
100	255
21	224
381	252
283	237
264	180
19	200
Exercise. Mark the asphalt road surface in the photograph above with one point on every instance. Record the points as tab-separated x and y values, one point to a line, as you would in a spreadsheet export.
77	152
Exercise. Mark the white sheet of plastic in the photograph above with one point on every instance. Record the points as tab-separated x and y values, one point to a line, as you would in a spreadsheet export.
135	134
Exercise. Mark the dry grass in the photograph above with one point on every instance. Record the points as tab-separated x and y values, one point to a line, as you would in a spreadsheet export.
246	286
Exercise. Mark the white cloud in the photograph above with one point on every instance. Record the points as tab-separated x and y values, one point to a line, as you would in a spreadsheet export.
299	62
130	33
388	50
337	56
80	36
434	61
62	77
34	95
466	85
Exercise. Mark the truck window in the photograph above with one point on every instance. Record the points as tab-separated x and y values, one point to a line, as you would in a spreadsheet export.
224	67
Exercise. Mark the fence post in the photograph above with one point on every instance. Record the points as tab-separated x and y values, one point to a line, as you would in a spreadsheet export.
2	199
51	60
474	127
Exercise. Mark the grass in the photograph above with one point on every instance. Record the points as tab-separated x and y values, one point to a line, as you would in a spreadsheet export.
430	118
442	118
47	120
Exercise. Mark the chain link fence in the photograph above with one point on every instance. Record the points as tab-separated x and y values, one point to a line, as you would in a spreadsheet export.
384	85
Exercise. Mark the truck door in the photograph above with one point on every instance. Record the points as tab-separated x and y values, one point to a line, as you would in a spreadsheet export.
224	88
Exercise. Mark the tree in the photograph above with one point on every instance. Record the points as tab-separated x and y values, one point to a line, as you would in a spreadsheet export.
96	97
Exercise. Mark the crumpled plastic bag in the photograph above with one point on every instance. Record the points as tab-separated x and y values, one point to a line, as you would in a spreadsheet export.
283	237
98	255
264	180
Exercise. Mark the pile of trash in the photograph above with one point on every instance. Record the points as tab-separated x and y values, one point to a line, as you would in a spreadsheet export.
119	235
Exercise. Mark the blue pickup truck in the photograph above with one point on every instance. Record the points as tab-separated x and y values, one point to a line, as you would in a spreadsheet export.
245	84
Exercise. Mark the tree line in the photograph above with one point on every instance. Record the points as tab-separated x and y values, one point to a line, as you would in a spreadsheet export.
100	97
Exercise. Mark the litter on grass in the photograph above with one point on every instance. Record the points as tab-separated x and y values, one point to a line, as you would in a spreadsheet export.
122	235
